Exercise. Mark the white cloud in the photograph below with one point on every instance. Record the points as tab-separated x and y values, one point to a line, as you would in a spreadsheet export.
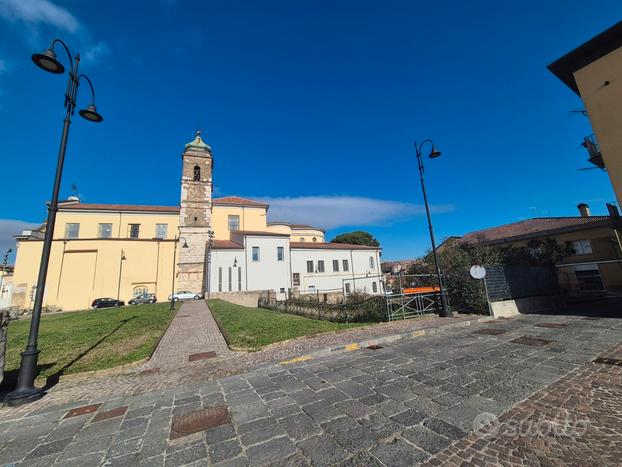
36	12
9	228
339	211
96	52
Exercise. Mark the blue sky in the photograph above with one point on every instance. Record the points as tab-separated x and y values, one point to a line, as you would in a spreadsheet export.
308	104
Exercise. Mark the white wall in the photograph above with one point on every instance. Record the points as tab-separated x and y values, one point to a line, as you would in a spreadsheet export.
225	259
360	274
268	272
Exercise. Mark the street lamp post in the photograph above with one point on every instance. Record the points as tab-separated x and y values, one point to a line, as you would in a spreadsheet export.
445	310
210	244
185	245
123	258
26	391
5	260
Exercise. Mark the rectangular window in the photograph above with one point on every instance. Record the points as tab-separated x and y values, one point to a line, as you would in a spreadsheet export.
309	266
220	279
582	247
255	253
105	230
234	222
347	288
335	265
134	230
161	230
346	267
588	277
239	278
371	262
280	253
296	279
72	230
282	289
230	279
320	266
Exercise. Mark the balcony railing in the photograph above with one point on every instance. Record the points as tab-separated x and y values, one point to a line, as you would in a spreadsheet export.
593	149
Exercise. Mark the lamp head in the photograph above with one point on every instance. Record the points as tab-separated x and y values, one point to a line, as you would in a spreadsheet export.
91	114
185	245
434	153
47	61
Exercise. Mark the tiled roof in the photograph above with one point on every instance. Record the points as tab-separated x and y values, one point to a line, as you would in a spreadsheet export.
236	200
331	246
261	233
226	245
539	226
296	226
118	207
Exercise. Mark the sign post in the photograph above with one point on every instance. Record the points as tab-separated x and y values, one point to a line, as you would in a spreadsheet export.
479	273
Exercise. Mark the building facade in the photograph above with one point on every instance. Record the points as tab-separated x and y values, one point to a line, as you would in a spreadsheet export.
120	251
591	71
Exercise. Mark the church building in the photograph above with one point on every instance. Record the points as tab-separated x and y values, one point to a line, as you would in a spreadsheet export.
221	245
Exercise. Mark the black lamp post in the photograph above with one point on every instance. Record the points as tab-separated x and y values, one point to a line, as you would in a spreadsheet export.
26	391
123	258
185	245
434	153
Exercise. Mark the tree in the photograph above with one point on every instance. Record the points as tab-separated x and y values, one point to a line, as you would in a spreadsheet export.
358	237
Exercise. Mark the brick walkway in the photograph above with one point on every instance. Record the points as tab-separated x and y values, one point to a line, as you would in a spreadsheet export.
410	402
193	331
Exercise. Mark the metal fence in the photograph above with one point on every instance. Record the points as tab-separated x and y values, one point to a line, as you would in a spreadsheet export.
404	306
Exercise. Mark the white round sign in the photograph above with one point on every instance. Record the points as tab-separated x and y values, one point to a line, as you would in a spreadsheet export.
477	272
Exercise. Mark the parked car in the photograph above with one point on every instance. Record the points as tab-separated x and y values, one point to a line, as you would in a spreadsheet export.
143	298
106	303
184	295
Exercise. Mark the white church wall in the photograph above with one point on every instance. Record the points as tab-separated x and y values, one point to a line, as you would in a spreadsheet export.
268	272
222	261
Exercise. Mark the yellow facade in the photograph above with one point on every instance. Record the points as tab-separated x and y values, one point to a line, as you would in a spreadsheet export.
88	266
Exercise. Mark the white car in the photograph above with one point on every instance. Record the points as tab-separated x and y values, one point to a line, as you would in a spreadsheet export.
184	295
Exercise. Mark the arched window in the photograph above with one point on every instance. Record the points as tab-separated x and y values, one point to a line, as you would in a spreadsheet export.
374	287
197	173
314	240
371	262
302	239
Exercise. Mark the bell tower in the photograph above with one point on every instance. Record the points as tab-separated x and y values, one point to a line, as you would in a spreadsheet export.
195	214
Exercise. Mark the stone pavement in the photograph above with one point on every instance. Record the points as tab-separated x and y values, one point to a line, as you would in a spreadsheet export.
149	377
412	401
193	331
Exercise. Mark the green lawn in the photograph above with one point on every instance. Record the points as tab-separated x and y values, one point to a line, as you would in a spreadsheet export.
91	340
254	328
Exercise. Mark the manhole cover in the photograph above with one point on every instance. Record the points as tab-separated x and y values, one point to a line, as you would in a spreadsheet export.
199	420
490	331
533	341
609	361
375	347
82	410
201	356
552	325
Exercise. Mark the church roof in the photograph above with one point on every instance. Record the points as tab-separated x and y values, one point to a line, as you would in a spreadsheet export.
330	246
237	201
226	245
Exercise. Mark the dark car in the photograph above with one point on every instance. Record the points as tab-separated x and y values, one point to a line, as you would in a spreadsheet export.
106	303
143	298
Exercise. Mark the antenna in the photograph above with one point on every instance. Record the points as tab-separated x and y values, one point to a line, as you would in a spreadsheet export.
582	112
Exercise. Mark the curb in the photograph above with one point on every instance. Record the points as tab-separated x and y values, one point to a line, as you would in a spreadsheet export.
384	340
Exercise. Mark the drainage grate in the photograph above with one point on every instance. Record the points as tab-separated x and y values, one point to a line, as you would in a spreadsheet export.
113	413
82	410
533	341
609	361
374	347
552	325
201	356
490	331
198	420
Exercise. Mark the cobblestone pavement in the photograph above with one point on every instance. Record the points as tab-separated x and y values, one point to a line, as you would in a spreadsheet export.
150	377
399	405
192	331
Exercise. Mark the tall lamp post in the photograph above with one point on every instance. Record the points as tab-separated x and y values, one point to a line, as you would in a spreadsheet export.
26	391
123	258
210	244
434	153
5	260
185	245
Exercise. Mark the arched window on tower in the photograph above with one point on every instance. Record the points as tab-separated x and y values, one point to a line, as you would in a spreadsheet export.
197	173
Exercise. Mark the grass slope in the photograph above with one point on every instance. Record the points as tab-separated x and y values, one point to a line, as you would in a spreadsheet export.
254	328
91	340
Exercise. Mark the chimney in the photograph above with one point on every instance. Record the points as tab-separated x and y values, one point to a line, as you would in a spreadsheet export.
584	209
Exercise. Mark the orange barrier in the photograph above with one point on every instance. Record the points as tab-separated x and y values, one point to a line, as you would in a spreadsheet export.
430	289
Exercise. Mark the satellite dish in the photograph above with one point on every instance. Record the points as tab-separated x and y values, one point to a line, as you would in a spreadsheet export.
477	272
